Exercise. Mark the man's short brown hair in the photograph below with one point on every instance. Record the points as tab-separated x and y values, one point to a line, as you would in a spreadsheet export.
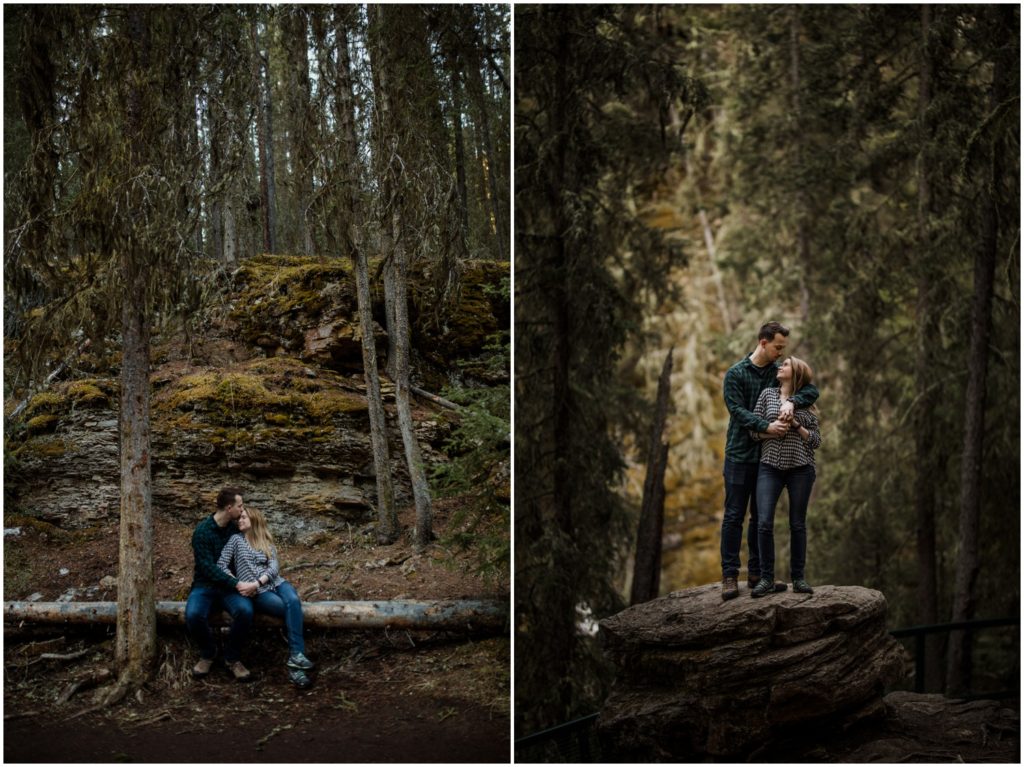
226	497
769	329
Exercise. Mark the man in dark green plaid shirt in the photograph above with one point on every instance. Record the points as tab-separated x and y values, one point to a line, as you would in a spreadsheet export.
743	384
213	589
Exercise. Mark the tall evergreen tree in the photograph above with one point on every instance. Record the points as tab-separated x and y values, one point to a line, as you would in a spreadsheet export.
589	88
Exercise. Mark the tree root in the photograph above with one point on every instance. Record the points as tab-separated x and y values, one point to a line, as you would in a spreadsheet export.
115	695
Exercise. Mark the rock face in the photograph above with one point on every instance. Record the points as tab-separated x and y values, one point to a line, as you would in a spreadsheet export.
278	407
698	678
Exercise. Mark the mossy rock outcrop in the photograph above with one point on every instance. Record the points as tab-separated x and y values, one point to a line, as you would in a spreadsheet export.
306	307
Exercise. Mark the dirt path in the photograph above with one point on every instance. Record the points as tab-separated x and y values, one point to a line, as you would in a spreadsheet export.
394	729
377	697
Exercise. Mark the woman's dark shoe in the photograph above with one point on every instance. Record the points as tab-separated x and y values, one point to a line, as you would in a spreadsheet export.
801	586
763	587
300	661
298	678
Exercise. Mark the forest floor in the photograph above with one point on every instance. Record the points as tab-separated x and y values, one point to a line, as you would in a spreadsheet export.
384	696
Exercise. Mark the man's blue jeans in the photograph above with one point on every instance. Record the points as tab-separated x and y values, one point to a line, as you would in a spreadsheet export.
740	484
201	601
283	602
770	482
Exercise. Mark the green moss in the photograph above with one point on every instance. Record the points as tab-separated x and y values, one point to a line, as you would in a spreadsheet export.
329	404
87	394
272	393
37	525
42	424
44	448
46	402
276	289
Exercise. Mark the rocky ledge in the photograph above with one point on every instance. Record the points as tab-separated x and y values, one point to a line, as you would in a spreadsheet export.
701	679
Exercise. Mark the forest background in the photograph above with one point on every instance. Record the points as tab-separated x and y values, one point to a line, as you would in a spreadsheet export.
152	152
684	174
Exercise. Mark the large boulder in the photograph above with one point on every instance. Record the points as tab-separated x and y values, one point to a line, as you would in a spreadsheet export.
698	678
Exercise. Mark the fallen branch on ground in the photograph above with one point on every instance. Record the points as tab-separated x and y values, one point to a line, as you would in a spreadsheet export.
435	398
489	615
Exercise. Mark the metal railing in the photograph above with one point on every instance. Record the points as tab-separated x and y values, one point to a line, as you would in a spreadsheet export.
920	632
573	741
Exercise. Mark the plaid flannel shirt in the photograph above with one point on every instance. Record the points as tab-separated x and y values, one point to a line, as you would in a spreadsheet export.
743	384
207	542
789	451
250	564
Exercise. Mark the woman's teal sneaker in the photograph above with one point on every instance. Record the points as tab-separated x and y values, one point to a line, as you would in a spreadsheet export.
300	661
764	586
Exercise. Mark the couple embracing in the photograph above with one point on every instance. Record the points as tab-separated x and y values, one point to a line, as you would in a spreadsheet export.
773	433
236	569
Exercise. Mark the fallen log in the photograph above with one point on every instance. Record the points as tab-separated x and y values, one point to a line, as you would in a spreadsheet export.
432	615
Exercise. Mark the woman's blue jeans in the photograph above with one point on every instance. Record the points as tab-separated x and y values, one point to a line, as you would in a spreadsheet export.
770	482
283	602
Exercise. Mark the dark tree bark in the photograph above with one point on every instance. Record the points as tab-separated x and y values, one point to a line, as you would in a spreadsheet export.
293	24
387	518
965	593
460	149
647	565
135	647
397	53
399	275
803	207
268	185
925	438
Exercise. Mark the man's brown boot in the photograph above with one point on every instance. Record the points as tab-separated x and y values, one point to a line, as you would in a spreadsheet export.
730	589
239	672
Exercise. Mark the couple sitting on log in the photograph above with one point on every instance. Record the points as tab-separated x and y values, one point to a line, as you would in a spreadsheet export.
236	570
773	433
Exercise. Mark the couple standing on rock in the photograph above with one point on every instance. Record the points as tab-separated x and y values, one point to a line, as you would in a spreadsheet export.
773	433
236	570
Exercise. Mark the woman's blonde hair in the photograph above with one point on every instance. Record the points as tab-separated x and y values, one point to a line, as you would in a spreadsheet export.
258	535
802	375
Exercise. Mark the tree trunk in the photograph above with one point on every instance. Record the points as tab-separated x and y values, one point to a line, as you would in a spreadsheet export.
135	645
293	23
925	440
460	149
803	207
387	516
647	565
437	615
268	187
965	596
399	333
489	169
230	248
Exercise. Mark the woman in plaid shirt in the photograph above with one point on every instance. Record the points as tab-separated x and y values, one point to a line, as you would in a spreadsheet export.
786	461
250	555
